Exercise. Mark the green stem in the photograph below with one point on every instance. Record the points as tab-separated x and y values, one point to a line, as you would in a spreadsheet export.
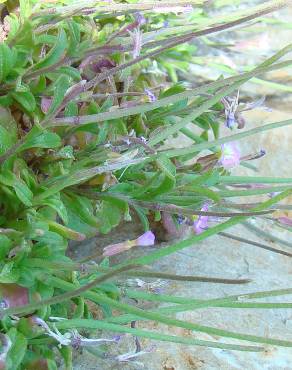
101	325
253	180
170	321
211	144
169	208
256	244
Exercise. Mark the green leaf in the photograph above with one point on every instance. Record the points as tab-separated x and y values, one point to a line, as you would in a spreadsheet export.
143	218
9	274
6	100
166	166
60	87
38	86
6	140
56	203
36	139
7	60
17	351
70	71
109	216
71	109
25	8
165	186
50	238
56	53
66	232
22	191
25	99
45	39
13	25
204	191
74	34
80	214
66	353
5	245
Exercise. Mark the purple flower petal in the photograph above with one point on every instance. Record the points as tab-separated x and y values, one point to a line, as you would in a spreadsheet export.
140	19
151	96
45	104
147	239
230	156
230	121
202	222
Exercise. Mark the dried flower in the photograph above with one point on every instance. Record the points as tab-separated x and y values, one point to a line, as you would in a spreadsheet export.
129	356
72	338
153	286
207	162
230	155
78	340
62	339
201	224
255	104
136	36
145	240
233	110
102	64
230	105
251	157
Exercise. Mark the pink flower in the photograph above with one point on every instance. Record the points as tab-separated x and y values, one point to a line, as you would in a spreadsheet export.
202	223
230	155
145	240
